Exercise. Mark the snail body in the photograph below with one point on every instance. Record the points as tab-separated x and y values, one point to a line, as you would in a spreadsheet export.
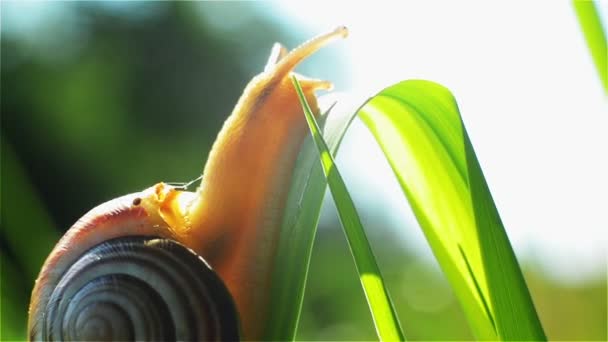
231	221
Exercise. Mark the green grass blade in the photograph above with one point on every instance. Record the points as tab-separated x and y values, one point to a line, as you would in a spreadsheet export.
299	226
419	128
383	313
590	22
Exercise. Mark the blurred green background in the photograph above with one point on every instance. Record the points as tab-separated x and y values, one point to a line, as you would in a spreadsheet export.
100	99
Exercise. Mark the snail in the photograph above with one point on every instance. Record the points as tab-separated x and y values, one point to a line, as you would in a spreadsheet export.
169	264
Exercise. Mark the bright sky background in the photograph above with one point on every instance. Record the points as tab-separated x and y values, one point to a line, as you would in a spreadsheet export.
527	89
530	98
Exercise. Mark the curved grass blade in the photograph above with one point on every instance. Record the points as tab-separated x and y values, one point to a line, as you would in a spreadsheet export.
299	225
591	25
385	318
419	128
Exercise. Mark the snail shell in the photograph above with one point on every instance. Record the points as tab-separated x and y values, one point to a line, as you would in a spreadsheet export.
118	274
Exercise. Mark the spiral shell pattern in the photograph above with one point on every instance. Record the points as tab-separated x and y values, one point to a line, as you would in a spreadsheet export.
139	288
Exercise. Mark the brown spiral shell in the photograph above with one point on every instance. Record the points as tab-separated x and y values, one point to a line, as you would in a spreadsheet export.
118	275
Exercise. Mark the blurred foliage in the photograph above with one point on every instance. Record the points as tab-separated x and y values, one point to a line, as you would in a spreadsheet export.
105	98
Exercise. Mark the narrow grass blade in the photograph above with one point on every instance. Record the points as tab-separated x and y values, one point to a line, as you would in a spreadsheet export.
594	33
299	225
384	315
419	128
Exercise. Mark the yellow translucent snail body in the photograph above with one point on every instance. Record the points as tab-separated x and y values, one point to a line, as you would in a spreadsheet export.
137	267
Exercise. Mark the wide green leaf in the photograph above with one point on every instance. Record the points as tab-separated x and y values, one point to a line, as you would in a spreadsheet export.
419	128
